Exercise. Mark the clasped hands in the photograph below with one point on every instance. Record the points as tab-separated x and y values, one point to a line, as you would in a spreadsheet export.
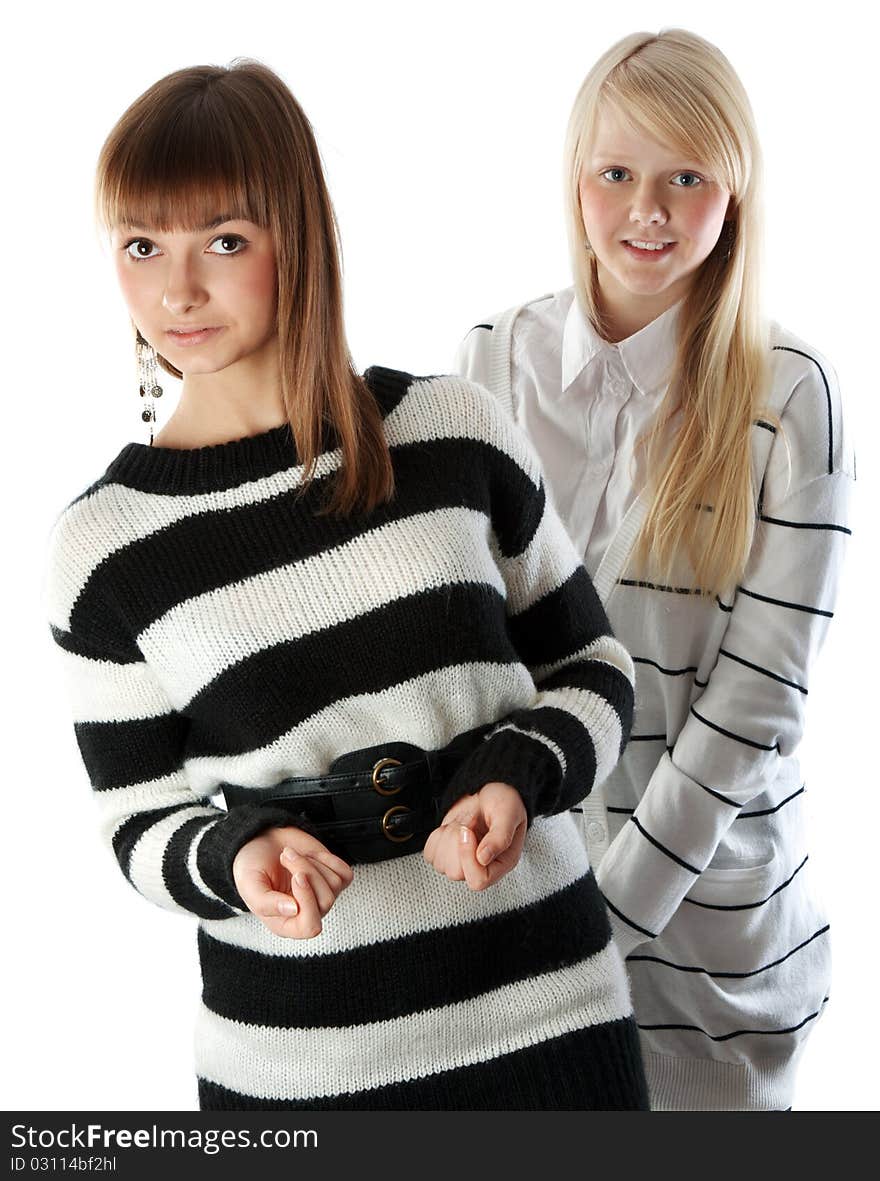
290	880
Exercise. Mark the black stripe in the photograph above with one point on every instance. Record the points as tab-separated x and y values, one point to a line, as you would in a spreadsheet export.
629	922
766	426
766	672
723	1037
544	791
622	811
396	977
647	738
775	808
675	590
594	1069
130	832
175	872
717	794
560	623
784	603
730	733
297	678
133	751
635	958
805	525
786	349
668	852
488	327
669	672
750	905
723	606
207	550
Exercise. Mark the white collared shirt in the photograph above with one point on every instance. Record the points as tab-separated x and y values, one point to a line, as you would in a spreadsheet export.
584	402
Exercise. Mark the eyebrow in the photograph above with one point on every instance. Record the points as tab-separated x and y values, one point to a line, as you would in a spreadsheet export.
132	225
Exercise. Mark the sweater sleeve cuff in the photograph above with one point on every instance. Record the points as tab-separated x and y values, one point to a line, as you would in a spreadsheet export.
222	841
508	755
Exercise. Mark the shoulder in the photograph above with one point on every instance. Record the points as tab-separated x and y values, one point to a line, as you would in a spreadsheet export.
83	535
494	333
805	393
440	407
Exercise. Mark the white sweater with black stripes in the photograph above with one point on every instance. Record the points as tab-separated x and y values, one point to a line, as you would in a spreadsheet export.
213	628
697	835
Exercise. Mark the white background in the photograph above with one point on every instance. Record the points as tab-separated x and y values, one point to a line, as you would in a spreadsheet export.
441	128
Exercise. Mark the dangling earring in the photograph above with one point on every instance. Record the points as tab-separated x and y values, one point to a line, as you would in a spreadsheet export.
147	381
728	238
587	246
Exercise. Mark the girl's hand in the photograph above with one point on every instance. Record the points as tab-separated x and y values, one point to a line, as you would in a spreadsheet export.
481	836
289	880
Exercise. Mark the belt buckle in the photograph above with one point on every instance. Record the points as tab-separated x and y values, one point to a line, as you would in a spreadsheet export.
377	782
390	836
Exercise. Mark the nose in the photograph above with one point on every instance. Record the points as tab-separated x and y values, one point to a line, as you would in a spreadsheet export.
183	290
647	209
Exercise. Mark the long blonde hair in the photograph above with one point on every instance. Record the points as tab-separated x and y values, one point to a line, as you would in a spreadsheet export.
207	140
679	89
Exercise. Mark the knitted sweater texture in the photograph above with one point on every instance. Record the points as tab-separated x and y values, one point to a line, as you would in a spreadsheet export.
214	628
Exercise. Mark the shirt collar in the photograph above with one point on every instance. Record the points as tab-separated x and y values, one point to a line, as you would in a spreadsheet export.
647	355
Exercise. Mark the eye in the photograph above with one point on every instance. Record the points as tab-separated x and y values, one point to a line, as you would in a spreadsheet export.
692	180
234	239
613	179
139	242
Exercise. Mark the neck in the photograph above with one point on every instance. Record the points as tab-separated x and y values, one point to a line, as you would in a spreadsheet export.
240	400
625	313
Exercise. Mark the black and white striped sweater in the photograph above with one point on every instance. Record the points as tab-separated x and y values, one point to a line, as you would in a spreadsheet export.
214	629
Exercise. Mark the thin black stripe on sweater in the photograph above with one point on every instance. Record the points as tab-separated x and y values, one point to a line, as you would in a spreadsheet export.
635	958
723	1037
805	525
784	603
782	348
668	672
750	905
730	734
765	671
775	808
667	852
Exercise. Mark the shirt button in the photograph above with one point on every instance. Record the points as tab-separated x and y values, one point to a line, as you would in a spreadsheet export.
596	832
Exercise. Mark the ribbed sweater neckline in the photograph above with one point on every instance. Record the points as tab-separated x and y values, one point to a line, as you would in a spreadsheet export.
192	470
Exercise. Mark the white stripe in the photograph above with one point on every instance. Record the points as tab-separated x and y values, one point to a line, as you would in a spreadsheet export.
598	716
318	1063
542	738
116	805
402	897
454	408
145	867
230	623
101	691
546	564
606	648
427	711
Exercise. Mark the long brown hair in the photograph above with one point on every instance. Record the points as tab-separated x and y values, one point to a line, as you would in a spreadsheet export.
207	140
680	89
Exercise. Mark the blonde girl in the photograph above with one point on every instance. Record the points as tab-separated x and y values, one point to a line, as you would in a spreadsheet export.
698	456
341	602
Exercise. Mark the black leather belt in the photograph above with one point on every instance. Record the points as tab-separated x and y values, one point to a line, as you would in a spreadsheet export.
372	804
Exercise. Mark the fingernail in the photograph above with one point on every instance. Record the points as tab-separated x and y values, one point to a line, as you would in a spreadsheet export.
484	856
465	834
288	907
300	879
287	852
